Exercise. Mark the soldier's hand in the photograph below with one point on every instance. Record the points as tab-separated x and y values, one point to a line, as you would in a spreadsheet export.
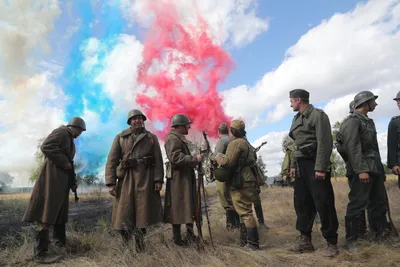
111	190
157	186
320	175
74	187
199	158
396	170
364	177
67	166
284	178
292	172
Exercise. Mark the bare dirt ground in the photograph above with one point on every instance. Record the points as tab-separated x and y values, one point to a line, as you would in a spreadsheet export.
92	243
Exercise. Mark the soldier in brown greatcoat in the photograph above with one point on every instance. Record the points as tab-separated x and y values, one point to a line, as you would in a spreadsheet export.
181	185
134	176
48	204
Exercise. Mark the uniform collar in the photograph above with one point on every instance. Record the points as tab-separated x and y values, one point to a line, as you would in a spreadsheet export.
361	115
306	113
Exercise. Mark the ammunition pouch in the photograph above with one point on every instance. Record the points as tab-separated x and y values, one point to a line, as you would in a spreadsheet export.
131	163
308	151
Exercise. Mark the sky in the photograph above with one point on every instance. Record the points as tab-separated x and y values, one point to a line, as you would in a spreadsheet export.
83	58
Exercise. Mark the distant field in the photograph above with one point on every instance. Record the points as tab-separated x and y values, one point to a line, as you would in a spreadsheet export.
92	243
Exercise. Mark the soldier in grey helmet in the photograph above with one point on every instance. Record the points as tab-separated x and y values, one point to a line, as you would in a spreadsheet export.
180	190
365	171
393	142
134	175
48	205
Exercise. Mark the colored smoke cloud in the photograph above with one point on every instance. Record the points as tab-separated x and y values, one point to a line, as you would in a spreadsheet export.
181	69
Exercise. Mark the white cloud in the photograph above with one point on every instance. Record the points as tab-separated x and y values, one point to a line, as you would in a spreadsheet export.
343	55
24	26
272	153
30	104
232	21
27	115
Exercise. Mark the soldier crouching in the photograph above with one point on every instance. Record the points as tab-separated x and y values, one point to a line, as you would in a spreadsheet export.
243	184
134	175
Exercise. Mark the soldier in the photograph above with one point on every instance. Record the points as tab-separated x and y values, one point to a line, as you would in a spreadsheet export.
48	204
313	192
364	169
223	189
134	175
285	168
244	192
180	192
393	141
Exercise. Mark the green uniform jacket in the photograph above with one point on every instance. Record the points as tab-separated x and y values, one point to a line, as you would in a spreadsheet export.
359	140
312	130
238	148
393	142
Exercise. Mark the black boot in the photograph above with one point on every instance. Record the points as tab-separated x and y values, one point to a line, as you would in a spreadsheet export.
139	240
253	238
126	236
232	220
243	235
362	226
190	236
176	231
352	226
260	215
59	235
41	254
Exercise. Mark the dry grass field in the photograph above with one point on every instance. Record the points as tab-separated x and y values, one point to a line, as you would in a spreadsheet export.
92	243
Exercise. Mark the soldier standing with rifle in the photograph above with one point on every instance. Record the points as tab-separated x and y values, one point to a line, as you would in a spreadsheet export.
180	194
134	175
367	190
393	142
243	183
223	188
313	192
48	204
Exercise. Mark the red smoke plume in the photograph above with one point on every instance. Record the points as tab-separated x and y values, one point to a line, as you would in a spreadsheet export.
181	69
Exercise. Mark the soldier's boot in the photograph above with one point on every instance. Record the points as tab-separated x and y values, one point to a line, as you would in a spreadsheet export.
139	240
253	238
260	216
41	254
303	244
126	236
243	235
59	235
232	220
176	231
362	226
383	230
352	226
331	250
190	238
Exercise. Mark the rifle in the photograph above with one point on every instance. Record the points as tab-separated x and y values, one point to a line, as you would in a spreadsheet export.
200	187
72	176
393	228
259	147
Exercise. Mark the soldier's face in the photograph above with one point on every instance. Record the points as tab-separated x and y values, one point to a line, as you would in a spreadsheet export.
137	122
76	132
398	103
372	104
295	103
